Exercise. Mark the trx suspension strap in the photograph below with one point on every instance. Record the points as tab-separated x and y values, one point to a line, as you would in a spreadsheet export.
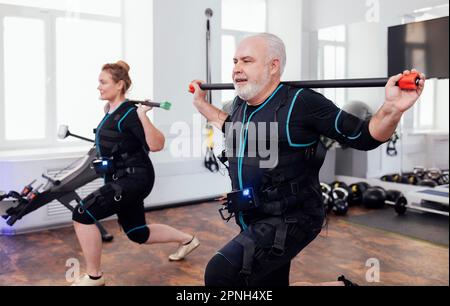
210	159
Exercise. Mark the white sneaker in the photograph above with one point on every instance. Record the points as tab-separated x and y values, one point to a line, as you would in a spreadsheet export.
85	280
184	250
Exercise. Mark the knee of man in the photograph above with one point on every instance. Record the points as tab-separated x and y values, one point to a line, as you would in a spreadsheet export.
140	235
219	272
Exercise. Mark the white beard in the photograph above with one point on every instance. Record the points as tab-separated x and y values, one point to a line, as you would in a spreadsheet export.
253	88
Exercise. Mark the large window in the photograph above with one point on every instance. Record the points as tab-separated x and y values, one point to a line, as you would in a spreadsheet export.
51	53
239	19
82	46
24	76
332	60
424	110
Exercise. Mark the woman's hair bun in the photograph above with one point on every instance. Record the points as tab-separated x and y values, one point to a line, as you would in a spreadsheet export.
124	65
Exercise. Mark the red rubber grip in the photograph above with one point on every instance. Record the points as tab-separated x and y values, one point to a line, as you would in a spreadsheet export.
410	81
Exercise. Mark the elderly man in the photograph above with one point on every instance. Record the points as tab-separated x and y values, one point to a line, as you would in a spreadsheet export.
276	197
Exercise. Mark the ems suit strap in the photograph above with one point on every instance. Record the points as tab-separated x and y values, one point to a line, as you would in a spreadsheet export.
277	208
127	171
280	239
281	228
117	191
89	201
100	195
113	134
278	248
248	246
281	199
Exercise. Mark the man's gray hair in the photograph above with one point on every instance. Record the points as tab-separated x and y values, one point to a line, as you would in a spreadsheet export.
276	48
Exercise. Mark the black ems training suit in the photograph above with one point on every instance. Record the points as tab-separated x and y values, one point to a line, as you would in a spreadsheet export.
290	213
120	139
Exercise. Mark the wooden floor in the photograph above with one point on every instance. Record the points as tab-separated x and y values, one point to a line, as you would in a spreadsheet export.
40	258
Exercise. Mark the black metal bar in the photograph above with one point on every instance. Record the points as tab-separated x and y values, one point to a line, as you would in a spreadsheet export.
164	105
80	137
146	103
344	83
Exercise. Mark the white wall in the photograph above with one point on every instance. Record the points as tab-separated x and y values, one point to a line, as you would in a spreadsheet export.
179	56
442	92
138	46
366	58
284	19
309	43
179	53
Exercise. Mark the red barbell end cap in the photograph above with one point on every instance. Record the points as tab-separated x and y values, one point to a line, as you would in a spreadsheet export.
410	81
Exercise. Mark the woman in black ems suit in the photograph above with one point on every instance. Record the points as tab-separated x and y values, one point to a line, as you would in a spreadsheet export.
123	139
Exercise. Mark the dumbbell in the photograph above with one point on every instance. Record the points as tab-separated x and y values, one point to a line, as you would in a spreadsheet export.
386	178
433	173
427	182
396	198
409	178
443	180
394	178
397	178
419	172
437	176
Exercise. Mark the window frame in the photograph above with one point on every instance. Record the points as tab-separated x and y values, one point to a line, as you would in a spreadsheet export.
417	114
321	44
418	111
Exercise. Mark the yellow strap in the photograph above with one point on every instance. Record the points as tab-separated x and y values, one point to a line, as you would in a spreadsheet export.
210	142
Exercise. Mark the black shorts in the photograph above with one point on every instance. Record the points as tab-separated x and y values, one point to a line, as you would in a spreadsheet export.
130	209
265	264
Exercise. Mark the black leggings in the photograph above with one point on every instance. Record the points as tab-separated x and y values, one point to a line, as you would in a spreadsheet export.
221	273
267	268
130	209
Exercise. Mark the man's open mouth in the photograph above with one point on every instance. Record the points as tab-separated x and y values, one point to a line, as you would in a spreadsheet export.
240	81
